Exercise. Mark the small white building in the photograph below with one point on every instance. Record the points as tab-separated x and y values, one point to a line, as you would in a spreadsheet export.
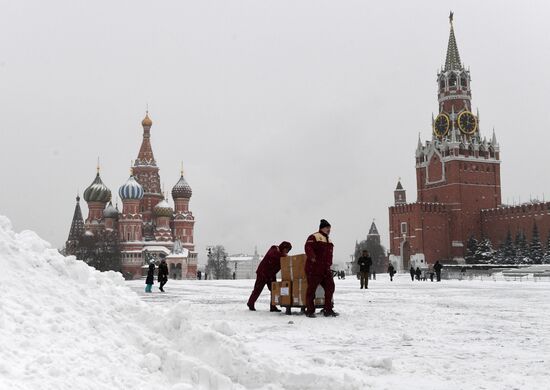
244	266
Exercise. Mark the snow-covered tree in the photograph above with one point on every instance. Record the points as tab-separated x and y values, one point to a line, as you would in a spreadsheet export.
484	252
471	249
536	252
217	265
522	249
546	258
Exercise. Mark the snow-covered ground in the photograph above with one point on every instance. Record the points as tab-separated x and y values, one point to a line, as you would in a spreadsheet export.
400	335
64	325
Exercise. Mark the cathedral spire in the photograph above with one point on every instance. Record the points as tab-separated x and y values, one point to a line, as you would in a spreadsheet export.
77	225
145	155
452	62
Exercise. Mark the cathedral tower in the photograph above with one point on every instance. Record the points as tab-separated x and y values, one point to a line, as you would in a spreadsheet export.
146	172
184	221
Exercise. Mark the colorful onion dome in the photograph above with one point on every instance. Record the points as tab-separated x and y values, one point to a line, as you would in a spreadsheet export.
163	209
182	189
147	121
131	189
97	191
110	211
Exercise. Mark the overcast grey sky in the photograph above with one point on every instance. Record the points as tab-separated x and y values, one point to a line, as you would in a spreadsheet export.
283	112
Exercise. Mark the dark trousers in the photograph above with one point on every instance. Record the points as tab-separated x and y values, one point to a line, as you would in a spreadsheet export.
162	283
412	277
438	274
364	279
327	282
261	281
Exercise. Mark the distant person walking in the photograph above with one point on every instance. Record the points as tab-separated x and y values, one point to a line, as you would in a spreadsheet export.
418	273
391	271
267	272
437	269
411	271
199	275
163	274
364	262
150	279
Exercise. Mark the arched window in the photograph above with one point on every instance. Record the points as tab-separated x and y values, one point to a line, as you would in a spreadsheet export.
463	80
442	84
452	80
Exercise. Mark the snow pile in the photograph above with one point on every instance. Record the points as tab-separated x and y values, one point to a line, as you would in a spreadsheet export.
65	325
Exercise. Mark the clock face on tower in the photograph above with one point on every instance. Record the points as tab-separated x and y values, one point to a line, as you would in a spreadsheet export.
467	123
441	125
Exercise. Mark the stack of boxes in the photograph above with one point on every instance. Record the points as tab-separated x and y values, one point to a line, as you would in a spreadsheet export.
291	291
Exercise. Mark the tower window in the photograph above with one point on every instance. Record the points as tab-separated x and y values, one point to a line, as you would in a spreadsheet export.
452	80
403	227
463	81
442	84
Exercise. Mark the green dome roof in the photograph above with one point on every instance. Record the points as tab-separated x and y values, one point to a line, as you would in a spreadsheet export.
97	191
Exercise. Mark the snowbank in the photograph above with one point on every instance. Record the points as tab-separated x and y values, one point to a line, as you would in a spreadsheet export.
65	325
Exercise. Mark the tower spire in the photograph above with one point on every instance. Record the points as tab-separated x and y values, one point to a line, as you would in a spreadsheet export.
452	61
77	228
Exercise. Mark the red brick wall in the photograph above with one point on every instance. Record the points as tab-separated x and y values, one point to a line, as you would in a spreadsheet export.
427	230
497	222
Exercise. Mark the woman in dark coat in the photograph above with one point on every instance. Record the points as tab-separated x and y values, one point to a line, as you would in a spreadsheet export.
150	277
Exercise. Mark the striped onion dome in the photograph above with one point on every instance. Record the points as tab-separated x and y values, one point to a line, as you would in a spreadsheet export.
182	189
163	209
131	189
97	191
110	211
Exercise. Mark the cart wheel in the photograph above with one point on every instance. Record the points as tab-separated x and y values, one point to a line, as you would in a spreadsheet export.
288	311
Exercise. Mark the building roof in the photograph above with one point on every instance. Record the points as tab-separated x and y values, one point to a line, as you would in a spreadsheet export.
399	185
373	231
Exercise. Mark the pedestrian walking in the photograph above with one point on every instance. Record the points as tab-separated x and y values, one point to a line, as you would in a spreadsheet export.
391	271
364	262
418	273
437	269
150	279
411	271
319	250
162	274
267	272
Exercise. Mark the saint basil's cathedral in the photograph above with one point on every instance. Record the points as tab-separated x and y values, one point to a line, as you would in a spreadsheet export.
147	228
458	184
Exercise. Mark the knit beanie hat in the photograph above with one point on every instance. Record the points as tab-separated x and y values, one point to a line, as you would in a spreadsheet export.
324	224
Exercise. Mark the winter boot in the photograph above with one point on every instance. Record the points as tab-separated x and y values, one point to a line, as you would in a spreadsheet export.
274	309
311	315
331	313
251	307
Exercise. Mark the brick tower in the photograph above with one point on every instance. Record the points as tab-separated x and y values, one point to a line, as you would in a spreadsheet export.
184	222
457	174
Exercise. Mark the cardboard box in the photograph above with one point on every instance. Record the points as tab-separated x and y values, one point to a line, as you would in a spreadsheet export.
276	293
293	267
299	289
286	293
